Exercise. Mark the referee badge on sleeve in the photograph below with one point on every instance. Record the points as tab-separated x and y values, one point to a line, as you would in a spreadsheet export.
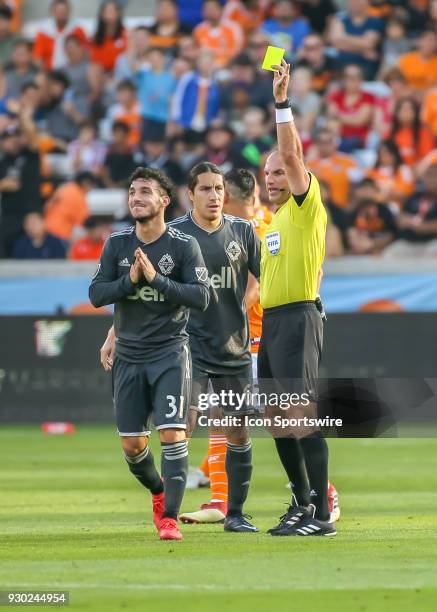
273	242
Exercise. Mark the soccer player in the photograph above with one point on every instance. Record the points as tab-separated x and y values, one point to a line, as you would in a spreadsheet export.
219	336
153	274
240	185
292	255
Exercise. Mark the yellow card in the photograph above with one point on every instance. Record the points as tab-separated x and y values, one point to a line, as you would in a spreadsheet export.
273	57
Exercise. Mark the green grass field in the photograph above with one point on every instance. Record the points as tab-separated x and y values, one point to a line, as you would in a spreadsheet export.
73	518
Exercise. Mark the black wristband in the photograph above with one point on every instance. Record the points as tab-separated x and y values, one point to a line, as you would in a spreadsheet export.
285	104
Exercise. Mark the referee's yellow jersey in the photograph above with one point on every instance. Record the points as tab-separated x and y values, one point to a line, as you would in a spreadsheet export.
293	250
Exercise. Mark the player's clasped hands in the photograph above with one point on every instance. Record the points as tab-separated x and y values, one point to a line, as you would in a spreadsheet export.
142	265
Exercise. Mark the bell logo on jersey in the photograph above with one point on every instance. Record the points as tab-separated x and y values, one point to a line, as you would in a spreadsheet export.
233	250
147	294
202	274
273	242
166	264
222	280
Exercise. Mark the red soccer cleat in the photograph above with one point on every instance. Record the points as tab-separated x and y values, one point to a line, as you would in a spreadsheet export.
333	504
169	530
158	508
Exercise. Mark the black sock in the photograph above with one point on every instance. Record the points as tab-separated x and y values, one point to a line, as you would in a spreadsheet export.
174	467
239	471
292	458
143	468
315	450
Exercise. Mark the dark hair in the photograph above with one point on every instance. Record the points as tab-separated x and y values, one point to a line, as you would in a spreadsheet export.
241	183
126	84
22	42
85	177
121	125
416	120
393	150
59	77
201	168
66	2
100	34
28	85
153	174
6	13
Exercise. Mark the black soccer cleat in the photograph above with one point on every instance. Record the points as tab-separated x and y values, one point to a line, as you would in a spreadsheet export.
239	524
291	518
308	526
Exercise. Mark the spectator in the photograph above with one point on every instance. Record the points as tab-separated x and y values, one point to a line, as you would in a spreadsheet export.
334	168
21	69
256	139
305	101
85	80
413	139
372	228
223	37
154	154
420	67
429	110
49	47
68	206
90	246
248	14
318	13
7	38
188	49
87	153
19	178
156	86
221	148
196	99
167	30
61	116
394	179
312	54
354	109
36	242
135	56
244	77
432	15
357	37
127	109
395	43
286	29
119	162
110	39
385	105
418	222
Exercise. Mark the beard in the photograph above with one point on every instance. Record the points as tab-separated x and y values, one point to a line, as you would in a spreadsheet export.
145	218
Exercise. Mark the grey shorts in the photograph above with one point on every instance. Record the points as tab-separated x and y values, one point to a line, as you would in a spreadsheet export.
158	390
234	387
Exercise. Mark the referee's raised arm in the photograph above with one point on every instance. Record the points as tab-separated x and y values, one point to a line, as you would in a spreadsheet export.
289	143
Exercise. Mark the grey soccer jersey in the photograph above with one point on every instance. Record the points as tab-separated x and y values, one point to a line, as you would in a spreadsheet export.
219	336
150	315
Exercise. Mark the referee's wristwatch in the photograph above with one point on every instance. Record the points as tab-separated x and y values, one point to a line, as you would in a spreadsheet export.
285	104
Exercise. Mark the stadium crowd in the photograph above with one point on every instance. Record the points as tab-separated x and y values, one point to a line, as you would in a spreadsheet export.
80	110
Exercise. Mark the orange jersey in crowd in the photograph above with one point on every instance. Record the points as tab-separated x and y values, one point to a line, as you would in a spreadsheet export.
255	314
402	181
67	208
411	152
132	117
106	54
429	110
86	249
247	19
225	41
49	44
419	72
334	171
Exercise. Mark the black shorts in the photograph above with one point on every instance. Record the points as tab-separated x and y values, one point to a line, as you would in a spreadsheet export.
236	387
159	388
291	349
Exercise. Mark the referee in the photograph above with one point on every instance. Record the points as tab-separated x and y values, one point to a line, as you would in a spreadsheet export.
291	260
